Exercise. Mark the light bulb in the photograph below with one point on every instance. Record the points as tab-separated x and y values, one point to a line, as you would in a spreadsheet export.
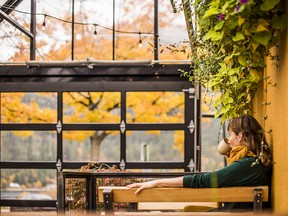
140	45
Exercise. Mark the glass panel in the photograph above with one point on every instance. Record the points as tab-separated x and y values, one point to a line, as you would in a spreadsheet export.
26	107
97	107
28	184
28	146
155	146
210	158
155	107
91	146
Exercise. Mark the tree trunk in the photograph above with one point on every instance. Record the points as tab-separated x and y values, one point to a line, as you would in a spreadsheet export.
96	141
95	149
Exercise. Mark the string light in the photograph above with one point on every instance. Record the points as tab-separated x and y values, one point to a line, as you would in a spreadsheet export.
140	41
95	30
44	23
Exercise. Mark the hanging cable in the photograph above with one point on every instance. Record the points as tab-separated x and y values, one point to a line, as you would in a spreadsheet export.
78	23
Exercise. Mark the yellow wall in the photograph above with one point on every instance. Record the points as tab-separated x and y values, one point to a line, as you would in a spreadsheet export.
277	121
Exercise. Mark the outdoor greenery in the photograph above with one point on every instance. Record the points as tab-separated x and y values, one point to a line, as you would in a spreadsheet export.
229	49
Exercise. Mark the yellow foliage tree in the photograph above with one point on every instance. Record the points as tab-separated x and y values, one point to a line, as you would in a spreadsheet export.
90	107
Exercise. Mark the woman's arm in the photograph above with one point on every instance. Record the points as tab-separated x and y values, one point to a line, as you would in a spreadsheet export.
167	182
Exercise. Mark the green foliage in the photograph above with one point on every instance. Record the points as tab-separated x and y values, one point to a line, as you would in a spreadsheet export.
229	48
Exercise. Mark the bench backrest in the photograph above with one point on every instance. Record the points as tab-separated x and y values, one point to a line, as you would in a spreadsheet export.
227	194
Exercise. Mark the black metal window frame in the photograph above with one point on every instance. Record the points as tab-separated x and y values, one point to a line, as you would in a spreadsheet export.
120	78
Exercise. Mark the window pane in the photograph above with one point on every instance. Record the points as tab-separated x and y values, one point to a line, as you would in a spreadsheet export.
210	158
28	184
155	107
155	146
91	146
97	107
26	107
28	146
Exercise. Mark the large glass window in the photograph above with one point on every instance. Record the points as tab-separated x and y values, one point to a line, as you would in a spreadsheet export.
155	107
28	145
91	107
155	146
91	146
28	107
29	184
143	125
212	132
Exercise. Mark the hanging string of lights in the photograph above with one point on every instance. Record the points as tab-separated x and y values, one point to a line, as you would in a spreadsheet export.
44	24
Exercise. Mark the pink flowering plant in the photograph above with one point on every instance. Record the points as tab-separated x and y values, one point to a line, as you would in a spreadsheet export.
230	41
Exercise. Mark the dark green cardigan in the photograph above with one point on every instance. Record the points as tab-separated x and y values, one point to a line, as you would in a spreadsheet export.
239	173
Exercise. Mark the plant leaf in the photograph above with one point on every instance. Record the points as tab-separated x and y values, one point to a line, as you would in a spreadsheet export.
254	46
239	36
234	71
229	100
269	4
210	12
209	35
242	60
279	23
262	38
241	20
261	28
217	36
233	79
255	74
219	25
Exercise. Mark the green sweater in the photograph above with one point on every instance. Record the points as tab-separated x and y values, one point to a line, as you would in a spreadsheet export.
239	173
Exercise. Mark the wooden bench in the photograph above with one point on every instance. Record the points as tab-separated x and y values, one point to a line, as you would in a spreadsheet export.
114	194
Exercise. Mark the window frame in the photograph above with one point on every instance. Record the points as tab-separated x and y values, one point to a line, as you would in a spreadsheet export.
122	78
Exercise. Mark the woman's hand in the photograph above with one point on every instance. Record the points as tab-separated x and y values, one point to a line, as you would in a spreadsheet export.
168	182
143	185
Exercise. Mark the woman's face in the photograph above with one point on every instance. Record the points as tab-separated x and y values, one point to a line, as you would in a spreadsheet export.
234	140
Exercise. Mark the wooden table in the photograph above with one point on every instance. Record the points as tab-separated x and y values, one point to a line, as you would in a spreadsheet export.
90	178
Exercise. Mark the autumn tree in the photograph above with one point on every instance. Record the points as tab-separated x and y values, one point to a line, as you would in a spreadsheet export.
100	106
134	19
104	107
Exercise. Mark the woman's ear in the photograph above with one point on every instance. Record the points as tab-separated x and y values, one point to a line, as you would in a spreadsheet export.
239	136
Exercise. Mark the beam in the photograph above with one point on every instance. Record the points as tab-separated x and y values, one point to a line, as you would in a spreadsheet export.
9	6
189	21
33	30
15	24
156	31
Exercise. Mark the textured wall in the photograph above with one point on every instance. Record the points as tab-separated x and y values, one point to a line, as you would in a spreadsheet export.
277	121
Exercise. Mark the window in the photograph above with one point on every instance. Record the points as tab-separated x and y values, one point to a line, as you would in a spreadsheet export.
147	122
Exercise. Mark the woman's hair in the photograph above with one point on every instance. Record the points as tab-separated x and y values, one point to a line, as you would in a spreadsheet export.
253	136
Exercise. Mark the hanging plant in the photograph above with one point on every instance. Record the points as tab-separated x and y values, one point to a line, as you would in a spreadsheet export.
233	38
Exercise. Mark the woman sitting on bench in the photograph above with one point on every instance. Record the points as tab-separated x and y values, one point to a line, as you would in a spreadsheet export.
249	163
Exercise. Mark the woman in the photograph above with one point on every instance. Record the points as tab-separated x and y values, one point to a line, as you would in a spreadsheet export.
250	163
